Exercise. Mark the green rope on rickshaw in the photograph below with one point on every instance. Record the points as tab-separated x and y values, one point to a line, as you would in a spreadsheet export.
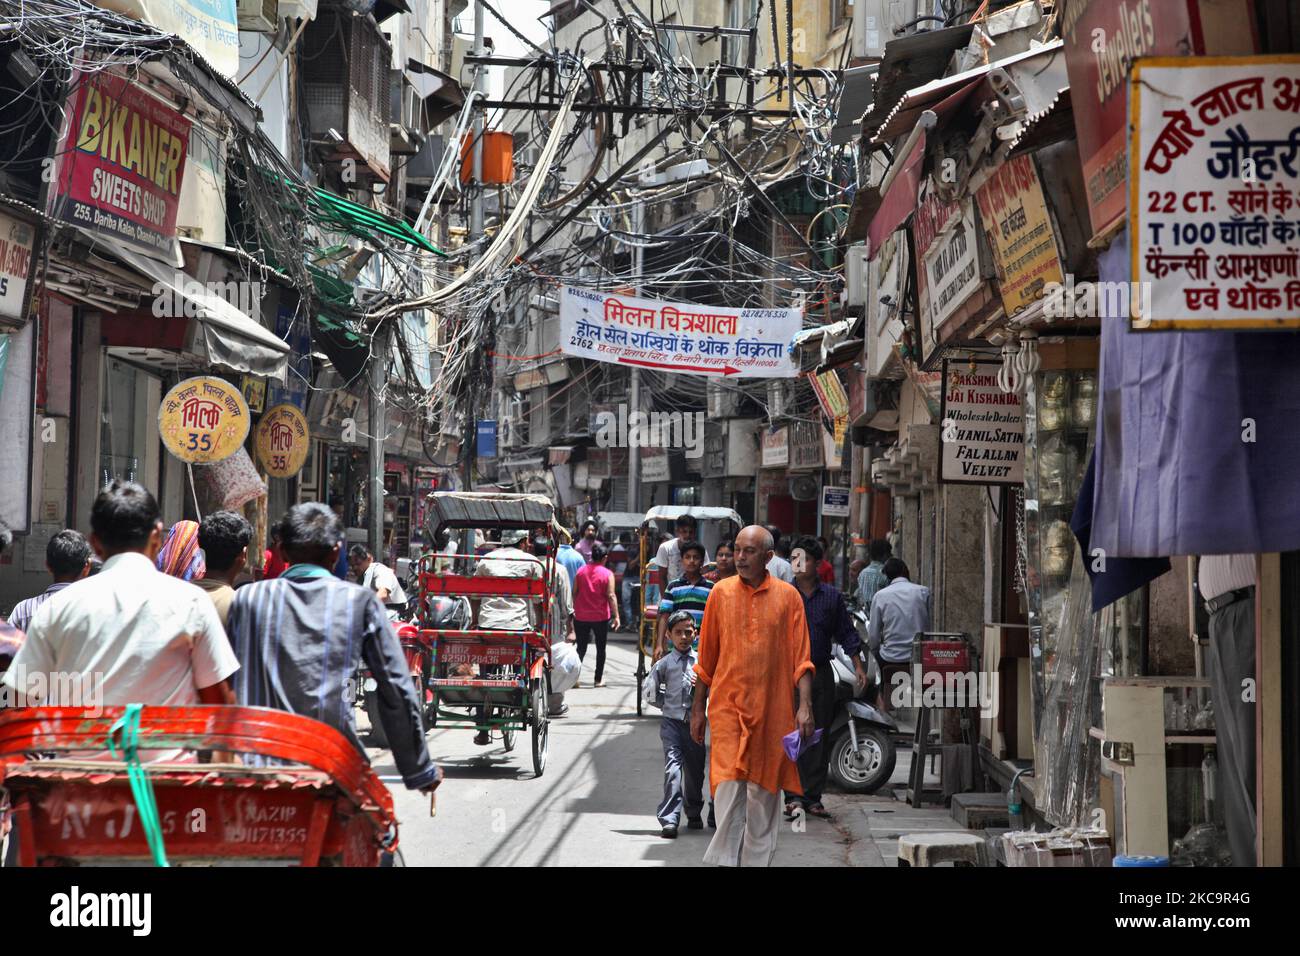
141	788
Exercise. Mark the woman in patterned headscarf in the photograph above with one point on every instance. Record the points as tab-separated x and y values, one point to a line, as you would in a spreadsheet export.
180	555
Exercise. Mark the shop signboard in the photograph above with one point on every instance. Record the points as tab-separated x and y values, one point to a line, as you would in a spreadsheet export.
487	439
654	464
982	431
283	441
776	447
948	270
17	239
1014	216
119	166
677	336
830	394
835	501
203	420
1102	38
294	329
210	27
1214	213
807	451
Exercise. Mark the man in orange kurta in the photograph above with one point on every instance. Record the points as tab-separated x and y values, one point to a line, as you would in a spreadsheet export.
753	655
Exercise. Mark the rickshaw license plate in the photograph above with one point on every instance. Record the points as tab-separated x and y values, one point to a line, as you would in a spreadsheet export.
490	654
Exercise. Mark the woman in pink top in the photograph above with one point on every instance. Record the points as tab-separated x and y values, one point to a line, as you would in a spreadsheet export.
594	607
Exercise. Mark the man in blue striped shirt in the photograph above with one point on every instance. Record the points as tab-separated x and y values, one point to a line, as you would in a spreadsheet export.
300	639
689	593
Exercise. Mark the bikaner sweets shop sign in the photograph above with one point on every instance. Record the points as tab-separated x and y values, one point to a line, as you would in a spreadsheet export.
203	420
121	163
1214	209
678	336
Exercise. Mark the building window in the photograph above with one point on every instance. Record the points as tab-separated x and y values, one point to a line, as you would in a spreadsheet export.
841	13
739	15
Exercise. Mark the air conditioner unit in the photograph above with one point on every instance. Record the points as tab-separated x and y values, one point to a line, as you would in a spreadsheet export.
855	275
258	16
346	83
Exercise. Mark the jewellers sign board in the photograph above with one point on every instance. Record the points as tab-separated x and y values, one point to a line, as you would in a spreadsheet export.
120	162
1102	38
982	437
677	336
1014	216
1214	212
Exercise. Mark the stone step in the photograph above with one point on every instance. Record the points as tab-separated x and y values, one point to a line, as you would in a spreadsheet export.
978	811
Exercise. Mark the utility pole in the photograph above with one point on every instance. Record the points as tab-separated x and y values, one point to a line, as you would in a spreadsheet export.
469	439
634	377
375	486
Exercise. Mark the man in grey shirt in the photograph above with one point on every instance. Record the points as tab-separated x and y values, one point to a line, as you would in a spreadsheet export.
300	639
779	567
899	611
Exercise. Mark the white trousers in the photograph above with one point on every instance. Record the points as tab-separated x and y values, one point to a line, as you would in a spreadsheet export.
748	818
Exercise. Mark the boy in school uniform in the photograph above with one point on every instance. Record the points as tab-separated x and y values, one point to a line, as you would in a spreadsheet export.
670	686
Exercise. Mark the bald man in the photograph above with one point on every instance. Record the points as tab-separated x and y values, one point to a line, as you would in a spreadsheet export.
753	654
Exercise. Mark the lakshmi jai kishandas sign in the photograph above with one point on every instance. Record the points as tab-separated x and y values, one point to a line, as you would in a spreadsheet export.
1214	210
982	439
677	336
121	160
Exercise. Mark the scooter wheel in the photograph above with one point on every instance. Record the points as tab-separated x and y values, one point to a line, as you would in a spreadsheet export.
870	768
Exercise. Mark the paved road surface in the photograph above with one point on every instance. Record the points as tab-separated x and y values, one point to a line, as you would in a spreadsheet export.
595	804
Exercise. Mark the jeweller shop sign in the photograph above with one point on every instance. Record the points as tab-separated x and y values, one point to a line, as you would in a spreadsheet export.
1214	210
982	435
677	336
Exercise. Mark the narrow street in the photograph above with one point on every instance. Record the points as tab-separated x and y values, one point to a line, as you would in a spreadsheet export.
597	799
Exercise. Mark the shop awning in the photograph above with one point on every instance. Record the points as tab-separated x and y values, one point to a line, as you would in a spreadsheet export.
1052	124
225	335
855	100
441	95
899	188
908	110
908	63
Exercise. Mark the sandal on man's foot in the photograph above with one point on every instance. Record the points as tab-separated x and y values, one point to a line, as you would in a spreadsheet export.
791	809
817	810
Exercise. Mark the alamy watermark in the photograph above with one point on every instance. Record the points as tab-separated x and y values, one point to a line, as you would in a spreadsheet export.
1091	300
184	296
917	687
624	429
58	688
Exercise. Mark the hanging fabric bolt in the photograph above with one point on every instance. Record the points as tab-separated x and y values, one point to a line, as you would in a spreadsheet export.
128	726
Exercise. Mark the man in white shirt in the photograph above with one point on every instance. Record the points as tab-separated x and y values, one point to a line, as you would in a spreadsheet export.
899	611
668	559
377	577
779	567
129	634
507	561
1227	585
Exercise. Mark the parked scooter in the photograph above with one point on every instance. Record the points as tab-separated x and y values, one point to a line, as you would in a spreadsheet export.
863	741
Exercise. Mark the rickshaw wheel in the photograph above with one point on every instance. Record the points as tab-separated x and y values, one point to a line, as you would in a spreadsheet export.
541	727
508	738
640	675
